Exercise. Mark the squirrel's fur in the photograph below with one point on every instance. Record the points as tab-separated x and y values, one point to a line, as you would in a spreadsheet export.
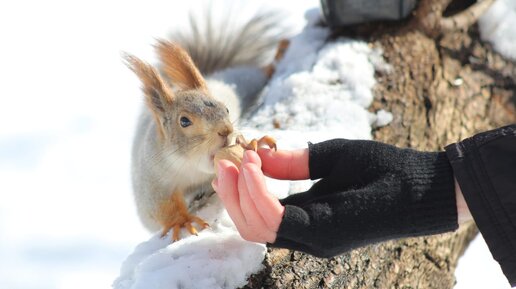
227	43
186	118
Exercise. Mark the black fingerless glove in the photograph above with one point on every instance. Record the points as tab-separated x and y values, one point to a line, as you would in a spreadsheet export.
369	192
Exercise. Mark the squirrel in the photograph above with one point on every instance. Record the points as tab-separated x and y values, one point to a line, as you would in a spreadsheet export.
188	118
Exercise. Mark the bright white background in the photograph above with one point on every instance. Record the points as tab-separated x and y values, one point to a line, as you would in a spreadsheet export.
68	107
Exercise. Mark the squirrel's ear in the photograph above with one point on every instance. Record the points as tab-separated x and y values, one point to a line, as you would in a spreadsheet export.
179	67
157	94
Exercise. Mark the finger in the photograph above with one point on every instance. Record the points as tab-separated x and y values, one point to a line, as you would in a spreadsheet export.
249	210
252	157
257	229
228	191
268	206
285	165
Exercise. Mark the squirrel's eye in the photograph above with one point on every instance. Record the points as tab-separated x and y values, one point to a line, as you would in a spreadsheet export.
184	121
227	109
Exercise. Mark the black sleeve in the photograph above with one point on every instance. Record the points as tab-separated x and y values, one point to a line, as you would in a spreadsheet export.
485	168
370	192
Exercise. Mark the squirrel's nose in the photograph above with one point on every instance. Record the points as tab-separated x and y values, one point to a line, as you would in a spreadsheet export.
227	130
224	132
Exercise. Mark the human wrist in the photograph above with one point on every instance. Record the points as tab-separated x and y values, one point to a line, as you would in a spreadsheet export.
463	213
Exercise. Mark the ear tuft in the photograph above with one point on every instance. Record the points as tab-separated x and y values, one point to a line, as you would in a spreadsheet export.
179	67
157	93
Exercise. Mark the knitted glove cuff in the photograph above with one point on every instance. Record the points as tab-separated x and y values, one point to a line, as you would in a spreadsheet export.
429	185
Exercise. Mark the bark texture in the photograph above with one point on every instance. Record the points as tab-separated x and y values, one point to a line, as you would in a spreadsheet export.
443	88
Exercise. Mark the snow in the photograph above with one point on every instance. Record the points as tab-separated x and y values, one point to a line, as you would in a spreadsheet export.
68	108
217	258
478	269
383	118
321	89
498	26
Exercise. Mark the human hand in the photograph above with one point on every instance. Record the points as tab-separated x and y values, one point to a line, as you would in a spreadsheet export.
256	213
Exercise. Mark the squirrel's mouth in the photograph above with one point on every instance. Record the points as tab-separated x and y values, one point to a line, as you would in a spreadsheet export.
214	152
211	156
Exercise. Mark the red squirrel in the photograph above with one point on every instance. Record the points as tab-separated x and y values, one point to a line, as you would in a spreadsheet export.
188	118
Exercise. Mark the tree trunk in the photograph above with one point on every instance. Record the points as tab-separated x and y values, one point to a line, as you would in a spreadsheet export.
443	88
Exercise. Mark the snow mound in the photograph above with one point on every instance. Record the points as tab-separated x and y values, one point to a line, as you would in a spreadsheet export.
320	91
327	91
217	258
498	26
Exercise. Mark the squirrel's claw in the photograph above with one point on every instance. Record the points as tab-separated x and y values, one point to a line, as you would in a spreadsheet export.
255	144
174	215
165	230
191	229
184	221
269	141
175	234
198	221
234	153
175	231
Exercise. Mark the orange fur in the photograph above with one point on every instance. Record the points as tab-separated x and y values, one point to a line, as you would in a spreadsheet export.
173	215
280	52
179	67
157	93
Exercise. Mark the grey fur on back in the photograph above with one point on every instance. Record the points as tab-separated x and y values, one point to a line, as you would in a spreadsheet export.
215	44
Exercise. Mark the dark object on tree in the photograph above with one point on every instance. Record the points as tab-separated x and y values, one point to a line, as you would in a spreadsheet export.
441	90
349	12
429	15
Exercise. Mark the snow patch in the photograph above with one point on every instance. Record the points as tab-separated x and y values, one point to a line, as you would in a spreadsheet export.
217	258
325	90
498	26
383	118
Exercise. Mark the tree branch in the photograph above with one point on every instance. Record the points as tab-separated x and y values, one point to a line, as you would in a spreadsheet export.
428	17
466	18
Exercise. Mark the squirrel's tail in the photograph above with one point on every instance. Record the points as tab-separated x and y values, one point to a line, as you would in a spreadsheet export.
215	44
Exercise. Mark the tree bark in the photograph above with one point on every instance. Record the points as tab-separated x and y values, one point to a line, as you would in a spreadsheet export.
443	88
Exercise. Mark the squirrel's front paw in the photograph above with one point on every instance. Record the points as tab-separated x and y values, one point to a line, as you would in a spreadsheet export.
234	153
254	144
182	221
